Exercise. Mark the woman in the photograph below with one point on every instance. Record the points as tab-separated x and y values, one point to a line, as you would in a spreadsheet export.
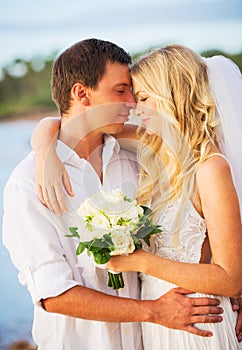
191	191
188	183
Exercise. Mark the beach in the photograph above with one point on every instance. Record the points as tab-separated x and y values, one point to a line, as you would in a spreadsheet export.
16	307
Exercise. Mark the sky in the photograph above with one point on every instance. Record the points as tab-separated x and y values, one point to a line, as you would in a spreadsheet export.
30	28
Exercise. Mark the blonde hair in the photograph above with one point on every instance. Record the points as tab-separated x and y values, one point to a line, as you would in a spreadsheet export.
177	78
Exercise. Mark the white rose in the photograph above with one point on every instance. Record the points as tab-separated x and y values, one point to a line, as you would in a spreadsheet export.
84	233
114	196
86	209
101	221
98	232
132	213
123	242
114	219
96	229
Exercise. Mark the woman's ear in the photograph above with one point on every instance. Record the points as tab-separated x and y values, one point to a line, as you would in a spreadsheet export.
79	93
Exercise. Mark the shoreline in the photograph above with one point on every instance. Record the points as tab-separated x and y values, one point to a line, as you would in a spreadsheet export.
29	116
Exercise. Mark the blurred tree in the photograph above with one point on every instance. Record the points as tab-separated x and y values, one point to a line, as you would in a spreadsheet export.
236	58
25	85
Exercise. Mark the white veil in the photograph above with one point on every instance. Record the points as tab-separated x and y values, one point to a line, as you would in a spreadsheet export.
226	85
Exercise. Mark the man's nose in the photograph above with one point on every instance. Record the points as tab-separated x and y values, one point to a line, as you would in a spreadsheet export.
130	102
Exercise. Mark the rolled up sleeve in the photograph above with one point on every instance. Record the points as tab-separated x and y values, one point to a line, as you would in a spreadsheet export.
31	233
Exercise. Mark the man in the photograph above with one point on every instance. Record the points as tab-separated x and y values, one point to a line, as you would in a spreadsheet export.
74	308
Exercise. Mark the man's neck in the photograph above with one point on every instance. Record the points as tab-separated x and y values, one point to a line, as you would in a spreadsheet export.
75	134
87	144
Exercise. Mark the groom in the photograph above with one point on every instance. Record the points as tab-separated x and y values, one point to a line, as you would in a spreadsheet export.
73	307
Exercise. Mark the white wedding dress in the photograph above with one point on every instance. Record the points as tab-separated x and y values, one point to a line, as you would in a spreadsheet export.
186	247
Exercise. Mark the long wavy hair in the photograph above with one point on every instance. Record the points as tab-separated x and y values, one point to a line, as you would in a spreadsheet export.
177	78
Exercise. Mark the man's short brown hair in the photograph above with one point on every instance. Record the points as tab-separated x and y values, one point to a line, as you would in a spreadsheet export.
85	63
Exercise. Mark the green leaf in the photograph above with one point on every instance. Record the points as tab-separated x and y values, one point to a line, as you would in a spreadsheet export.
74	232
89	253
127	199
102	257
156	230
147	210
144	231
96	245
80	248
138	244
147	240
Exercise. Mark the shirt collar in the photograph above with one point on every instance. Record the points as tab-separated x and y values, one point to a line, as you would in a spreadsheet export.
111	142
65	153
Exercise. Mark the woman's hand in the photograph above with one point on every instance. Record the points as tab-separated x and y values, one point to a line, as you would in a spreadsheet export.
128	262
51	176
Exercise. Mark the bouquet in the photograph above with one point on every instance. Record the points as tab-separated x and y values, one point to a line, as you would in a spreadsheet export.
110	223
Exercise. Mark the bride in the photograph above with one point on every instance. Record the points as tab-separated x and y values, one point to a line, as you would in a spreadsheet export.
189	165
188	182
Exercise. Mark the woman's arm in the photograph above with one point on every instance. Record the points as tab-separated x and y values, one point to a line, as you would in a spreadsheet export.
51	174
221	212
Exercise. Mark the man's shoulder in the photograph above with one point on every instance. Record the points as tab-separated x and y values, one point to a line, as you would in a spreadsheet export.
24	173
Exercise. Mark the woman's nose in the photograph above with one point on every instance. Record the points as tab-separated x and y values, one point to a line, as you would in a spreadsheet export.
138	111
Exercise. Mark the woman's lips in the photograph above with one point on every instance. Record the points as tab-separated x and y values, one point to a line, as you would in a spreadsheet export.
145	119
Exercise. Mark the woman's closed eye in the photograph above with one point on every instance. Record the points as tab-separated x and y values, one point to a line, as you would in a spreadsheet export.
140	98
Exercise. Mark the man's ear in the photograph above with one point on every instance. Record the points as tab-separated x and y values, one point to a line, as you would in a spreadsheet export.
79	93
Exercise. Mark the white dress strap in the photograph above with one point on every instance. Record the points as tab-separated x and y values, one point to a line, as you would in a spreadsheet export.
217	154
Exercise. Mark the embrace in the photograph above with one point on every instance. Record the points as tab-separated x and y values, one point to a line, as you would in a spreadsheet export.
182	162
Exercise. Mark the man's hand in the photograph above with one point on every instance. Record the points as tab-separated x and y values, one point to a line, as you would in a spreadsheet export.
237	306
175	310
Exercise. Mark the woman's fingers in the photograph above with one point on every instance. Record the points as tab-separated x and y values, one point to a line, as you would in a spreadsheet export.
51	200
67	184
40	194
60	197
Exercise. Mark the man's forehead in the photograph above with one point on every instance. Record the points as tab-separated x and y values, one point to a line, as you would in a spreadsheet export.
117	74
117	69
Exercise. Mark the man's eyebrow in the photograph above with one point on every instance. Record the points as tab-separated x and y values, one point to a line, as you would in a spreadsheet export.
121	84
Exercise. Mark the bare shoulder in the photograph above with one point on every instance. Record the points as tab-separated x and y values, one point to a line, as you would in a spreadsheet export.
216	187
213	168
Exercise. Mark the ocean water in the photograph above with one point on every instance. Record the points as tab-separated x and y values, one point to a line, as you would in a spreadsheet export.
16	307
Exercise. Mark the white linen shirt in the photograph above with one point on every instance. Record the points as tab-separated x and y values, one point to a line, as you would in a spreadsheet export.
46	259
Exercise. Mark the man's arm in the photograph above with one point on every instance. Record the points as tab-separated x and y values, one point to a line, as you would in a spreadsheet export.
172	310
30	235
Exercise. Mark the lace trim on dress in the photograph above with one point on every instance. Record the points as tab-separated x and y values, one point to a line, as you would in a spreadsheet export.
191	235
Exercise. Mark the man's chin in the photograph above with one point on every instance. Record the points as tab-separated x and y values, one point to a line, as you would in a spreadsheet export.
115	128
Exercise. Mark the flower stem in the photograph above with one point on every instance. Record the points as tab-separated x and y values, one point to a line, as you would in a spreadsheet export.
115	281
